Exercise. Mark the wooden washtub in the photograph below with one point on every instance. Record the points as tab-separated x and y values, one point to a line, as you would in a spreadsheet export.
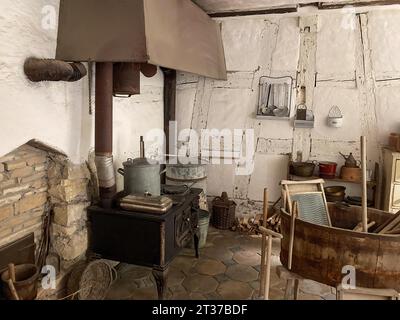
321	252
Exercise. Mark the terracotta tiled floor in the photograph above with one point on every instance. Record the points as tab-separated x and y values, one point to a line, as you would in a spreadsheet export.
228	269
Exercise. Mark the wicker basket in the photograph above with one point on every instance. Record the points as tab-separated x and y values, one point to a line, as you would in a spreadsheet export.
223	212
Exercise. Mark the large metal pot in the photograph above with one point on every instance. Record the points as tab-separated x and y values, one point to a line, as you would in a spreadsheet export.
191	174
303	169
141	177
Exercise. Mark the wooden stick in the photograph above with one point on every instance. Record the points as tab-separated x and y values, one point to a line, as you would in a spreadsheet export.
270	233
364	183
11	272
268	269
292	227
394	231
391	225
263	244
359	227
290	182
265	207
383	225
12	289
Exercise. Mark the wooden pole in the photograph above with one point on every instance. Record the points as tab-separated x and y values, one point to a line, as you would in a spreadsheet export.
11	280
267	262
292	228
11	272
12	289
263	244
364	184
268	269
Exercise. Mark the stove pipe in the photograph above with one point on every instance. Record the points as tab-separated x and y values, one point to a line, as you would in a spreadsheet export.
104	133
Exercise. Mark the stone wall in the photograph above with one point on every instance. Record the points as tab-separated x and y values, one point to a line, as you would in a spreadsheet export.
70	194
35	183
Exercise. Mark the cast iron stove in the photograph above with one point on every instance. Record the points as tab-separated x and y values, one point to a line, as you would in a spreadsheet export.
144	239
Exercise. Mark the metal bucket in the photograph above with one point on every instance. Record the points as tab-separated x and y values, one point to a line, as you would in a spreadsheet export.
192	175
204	223
26	276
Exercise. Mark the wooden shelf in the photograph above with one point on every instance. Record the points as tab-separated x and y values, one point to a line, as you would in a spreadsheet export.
370	184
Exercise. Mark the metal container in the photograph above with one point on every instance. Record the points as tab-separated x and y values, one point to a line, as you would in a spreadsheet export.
192	175
335	193
141	177
327	170
303	169
204	223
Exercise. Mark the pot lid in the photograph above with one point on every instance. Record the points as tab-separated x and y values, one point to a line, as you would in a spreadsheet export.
189	162
140	162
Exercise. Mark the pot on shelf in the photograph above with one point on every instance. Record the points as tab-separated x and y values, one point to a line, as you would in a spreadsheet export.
327	169
303	169
335	193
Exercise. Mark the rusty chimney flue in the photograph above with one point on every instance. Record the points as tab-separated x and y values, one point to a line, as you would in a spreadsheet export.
104	133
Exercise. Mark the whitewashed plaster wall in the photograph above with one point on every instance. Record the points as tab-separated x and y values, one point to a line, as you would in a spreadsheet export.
57	113
349	61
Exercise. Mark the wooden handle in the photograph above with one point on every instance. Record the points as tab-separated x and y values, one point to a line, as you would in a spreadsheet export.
270	233
364	183
265	207
12	289
315	181
11	272
292	229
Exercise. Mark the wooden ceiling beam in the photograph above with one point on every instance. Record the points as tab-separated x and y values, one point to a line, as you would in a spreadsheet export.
322	5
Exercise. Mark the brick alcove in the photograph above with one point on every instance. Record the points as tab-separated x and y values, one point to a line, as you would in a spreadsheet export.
36	182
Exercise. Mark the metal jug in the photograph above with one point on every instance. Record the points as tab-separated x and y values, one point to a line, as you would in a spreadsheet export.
351	162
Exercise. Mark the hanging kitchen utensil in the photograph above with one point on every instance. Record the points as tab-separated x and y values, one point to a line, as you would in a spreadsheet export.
335	117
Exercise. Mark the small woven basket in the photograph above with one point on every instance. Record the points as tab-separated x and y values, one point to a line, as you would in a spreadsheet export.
223	212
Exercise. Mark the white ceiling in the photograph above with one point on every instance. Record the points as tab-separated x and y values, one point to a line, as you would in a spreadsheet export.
213	6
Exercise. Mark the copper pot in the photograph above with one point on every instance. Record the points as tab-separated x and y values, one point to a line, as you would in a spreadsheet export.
327	170
303	169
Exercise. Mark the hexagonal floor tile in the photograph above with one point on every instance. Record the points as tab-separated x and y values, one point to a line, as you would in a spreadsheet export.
225	241
144	294
242	273
175	277
210	267
247	257
217	253
235	290
178	293
183	263
197	296
200	284
121	290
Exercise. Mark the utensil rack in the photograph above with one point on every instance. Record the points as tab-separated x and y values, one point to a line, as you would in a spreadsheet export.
275	98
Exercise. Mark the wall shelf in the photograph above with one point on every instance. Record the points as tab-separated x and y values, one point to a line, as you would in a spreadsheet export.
370	184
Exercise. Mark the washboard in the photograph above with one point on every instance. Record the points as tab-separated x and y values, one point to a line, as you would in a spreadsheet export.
311	200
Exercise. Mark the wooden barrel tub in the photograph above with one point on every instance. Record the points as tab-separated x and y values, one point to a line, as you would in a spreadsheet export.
320	252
